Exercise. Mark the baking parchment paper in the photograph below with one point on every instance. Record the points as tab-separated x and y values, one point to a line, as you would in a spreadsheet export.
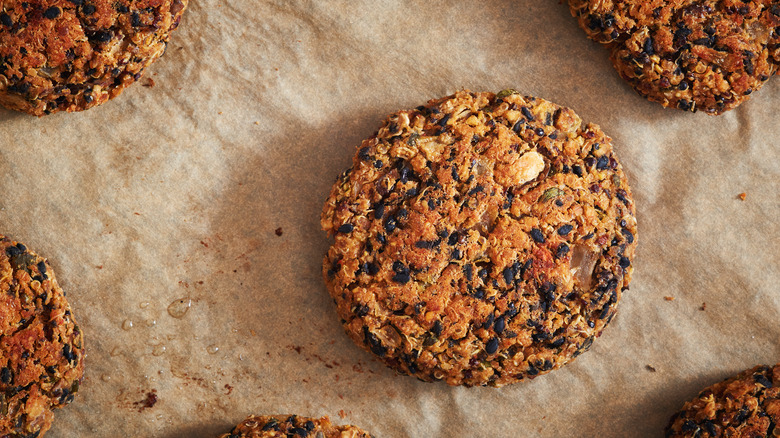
203	189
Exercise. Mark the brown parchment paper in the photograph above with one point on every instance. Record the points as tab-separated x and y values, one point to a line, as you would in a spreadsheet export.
175	192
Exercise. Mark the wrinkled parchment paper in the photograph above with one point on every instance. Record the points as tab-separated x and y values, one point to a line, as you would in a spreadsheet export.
204	191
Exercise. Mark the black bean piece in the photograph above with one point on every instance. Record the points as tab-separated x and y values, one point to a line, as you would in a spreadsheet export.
41	268
602	162
135	19
489	321
558	342
537	235
577	169
379	211
706	42
88	9
309	425
69	354
605	311
468	270
425	244
374	343
748	64
628	235
372	268
548	291
346	228
624	262
492	346
565	229
5	19
762	380
401	273
12	251
272	424
5	375
622	195
52	13
526	266
509	275
390	225
406	173
709	426
297	431
681	36
101	36
648	46
743	414
510	197
437	328
361	310
500	324
563	249
689	426
527	113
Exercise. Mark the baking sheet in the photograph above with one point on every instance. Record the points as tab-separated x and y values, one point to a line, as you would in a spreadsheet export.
174	192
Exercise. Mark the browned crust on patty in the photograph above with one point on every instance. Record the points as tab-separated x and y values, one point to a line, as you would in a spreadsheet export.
706	55
41	346
481	239
744	406
70	55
